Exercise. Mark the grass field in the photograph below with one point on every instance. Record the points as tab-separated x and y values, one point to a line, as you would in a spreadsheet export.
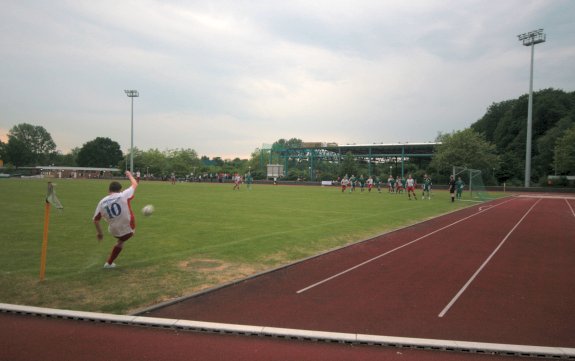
200	235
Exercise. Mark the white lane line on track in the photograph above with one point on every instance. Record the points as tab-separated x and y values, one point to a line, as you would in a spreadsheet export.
398	248
569	204
484	208
464	288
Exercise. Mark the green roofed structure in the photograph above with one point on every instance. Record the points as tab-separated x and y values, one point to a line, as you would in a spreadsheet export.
395	154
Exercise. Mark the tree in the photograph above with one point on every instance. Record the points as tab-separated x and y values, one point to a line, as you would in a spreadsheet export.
2	150
218	161
68	160
18	154
564	160
183	161
543	163
283	144
465	148
348	166
504	124
29	145
100	152
153	163
488	124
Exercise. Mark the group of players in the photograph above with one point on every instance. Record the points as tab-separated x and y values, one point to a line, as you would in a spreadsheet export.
116	209
396	185
248	179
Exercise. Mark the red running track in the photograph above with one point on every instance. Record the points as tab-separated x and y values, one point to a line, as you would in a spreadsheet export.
25	338
516	256
521	291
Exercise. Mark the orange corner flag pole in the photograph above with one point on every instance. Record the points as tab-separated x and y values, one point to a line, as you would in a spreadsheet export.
45	241
50	199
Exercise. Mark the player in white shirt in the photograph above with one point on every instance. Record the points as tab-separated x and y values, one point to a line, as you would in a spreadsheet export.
410	185
237	181
369	183
116	210
344	183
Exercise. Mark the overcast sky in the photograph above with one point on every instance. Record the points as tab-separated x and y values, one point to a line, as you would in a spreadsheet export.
225	77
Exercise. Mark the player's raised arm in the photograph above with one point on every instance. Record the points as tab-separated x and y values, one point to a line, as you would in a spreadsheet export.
132	179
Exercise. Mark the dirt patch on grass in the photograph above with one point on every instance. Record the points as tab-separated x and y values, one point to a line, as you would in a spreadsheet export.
215	272
203	265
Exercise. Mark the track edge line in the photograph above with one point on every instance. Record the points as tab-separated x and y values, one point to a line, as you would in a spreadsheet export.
297	334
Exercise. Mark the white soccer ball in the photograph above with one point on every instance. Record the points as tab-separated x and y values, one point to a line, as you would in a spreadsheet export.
148	210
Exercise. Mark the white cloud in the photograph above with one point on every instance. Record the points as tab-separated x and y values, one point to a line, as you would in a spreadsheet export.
223	77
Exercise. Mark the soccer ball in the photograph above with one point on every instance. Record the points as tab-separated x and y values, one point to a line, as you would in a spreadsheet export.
148	210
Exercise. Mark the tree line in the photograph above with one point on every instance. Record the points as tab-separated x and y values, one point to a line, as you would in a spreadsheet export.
494	144
30	145
553	135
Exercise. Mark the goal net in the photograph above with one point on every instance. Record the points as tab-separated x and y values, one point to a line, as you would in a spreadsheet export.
473	180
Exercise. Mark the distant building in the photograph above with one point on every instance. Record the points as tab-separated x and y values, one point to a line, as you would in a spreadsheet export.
76	172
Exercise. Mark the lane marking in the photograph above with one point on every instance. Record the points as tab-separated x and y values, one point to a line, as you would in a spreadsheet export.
484	207
395	249
569	204
546	196
464	288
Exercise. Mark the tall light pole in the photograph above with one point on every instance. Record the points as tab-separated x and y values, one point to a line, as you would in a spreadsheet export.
530	39
132	94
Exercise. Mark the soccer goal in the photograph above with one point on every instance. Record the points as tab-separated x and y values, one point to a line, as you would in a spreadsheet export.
473	179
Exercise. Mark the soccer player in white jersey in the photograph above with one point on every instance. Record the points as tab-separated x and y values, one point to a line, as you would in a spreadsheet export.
116	210
344	183
410	187
369	183
237	181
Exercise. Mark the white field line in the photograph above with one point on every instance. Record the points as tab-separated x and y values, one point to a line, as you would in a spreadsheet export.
464	288
397	248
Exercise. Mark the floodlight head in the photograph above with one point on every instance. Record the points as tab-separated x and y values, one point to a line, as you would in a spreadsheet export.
532	37
132	93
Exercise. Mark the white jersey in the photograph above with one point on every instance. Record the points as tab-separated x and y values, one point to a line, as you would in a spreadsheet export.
410	182
116	210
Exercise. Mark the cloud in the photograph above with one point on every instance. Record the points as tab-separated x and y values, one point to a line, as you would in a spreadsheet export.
223	77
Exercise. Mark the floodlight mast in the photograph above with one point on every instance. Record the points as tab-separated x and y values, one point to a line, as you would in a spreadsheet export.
132	94
530	39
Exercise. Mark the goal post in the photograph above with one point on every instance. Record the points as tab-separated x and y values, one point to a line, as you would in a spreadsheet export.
473	178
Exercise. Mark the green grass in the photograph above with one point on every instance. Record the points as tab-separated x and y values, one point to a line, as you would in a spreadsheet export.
200	235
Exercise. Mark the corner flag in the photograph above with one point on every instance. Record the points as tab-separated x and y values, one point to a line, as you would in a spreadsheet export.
51	199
